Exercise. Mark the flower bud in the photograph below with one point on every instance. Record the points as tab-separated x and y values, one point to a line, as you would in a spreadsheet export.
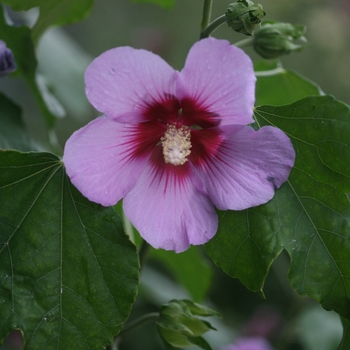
272	39
179	325
7	61
243	16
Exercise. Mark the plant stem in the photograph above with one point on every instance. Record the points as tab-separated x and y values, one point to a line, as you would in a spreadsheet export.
270	73
206	14
212	26
128	228
244	42
114	346
143	253
132	326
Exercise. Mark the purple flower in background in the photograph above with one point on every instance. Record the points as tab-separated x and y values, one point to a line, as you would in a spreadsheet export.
7	61
174	144
249	344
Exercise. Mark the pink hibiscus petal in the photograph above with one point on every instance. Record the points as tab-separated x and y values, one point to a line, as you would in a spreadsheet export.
220	77
168	211
100	162
247	167
124	80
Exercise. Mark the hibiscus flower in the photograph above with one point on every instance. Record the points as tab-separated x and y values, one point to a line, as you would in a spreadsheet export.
175	144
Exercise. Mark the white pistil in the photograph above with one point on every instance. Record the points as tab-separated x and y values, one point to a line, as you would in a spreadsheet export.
176	144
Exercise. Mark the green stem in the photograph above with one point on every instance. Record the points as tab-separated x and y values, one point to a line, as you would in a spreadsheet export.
143	253
244	42
206	14
270	73
212	26
128	228
133	326
139	322
114	346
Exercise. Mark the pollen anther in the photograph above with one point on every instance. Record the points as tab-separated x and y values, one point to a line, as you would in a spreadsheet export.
176	144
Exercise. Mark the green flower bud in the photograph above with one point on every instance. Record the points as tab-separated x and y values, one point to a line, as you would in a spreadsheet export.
274	39
179	325
243	16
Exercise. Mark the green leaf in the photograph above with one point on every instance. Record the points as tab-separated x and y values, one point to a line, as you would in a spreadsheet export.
345	342
278	86
309	215
60	12
167	4
13	134
246	244
189	269
68	273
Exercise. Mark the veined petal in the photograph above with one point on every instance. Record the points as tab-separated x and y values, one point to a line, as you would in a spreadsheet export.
100	160
124	80
167	210
220	78
247	167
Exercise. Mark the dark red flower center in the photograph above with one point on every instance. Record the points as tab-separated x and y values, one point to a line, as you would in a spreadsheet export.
177	131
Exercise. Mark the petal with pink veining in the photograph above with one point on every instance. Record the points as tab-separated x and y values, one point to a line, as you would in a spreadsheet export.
220	78
100	160
125	80
167	210
247	167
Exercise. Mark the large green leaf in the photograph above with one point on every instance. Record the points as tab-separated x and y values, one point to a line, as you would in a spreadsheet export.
13	134
309	215
68	273
278	86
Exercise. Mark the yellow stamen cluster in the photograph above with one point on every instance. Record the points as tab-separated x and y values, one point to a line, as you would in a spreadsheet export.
176	144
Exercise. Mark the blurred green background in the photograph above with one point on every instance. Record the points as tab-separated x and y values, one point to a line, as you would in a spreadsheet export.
64	53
